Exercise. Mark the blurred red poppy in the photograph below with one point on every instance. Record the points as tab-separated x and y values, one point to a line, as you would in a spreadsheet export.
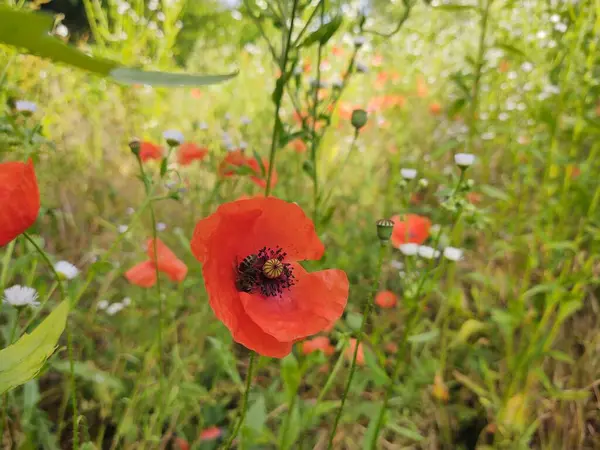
149	151
319	343
232	162
182	444
386	299
249	250
474	198
422	89
261	173
360	356
210	434
196	93
19	199
337	51
435	109
144	273
189	152
298	145
166	260
413	229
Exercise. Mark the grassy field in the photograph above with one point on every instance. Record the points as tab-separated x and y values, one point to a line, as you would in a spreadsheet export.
478	322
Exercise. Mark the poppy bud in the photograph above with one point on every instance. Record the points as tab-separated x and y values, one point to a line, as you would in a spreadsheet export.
384	229
135	145
359	118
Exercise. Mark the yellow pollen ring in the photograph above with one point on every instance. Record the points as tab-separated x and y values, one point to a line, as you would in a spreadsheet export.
273	268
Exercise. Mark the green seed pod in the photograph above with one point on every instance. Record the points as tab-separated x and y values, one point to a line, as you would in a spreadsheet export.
359	118
384	229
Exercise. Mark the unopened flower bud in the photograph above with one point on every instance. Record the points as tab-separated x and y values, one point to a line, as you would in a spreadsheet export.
359	118
384	229
470	183
423	183
135	145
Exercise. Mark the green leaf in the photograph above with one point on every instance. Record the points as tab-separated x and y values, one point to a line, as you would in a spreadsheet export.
30	31
257	415
494	192
23	360
354	321
134	76
376	371
560	356
468	329
424	337
324	33
406	432
259	161
511	49
226	360
292	430
291	375
86	371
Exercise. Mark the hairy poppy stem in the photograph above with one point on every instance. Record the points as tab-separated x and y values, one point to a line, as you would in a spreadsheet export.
244	406
278	96
366	313
73	385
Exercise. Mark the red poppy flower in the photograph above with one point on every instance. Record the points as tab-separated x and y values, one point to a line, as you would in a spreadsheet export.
337	51
149	151
435	109
360	356
182	444
474	198
319	343
386	299
413	229
231	162
166	260
196	93
142	274
189	152
249	250
210	434
19	199
259	177
298	145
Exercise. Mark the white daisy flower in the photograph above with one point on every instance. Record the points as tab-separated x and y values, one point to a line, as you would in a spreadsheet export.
359	41
453	253
245	120
173	137
398	265
130	211
428	252
203	126
464	159
161	226
114	309
243	145
61	30
102	304
408	174
122	228
19	296
25	106
126	301
66	269
409	249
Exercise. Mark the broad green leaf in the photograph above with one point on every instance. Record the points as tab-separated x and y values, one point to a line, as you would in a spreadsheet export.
30	31
291	375
257	415
323	34
86	371
23	360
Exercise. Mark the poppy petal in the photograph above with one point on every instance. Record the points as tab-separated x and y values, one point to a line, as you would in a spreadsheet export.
314	303
19	197
142	274
167	261
282	224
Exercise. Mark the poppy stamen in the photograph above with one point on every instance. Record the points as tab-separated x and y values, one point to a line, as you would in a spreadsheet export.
265	272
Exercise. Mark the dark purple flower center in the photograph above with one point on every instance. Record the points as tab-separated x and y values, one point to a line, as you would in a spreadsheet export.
265	272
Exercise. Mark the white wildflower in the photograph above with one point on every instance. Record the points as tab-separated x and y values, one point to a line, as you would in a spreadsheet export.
464	159
173	137
66	269
25	106
19	296
122	228
161	226
428	252
114	309
453	253
61	30
359	41
102	304
408	174
409	249
126	301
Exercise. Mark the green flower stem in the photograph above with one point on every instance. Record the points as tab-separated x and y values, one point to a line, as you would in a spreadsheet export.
4	407
73	385
278	98
244	406
366	312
